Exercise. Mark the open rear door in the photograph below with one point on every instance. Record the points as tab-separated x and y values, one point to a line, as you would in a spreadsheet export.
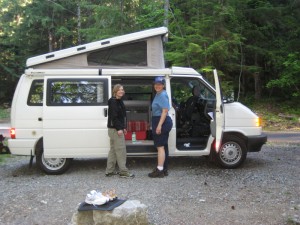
219	113
75	116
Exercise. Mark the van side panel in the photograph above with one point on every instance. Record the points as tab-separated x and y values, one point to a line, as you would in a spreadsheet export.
25	119
239	118
75	132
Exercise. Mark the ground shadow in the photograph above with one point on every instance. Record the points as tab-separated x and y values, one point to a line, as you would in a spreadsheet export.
134	163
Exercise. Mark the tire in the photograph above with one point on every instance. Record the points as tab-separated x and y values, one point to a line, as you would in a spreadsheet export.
52	166
232	152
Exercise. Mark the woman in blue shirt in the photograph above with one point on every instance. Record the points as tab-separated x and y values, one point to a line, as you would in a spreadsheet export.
161	126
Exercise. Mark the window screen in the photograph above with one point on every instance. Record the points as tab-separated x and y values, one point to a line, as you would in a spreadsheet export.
134	54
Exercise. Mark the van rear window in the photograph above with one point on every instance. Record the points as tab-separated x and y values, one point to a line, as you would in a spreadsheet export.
35	97
74	92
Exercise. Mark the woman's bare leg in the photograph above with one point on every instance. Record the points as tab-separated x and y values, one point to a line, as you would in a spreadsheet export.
161	156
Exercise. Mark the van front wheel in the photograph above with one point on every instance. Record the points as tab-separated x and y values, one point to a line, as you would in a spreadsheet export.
53	166
232	152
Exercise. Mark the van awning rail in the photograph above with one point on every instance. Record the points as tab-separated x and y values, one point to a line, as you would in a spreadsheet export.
112	72
97	72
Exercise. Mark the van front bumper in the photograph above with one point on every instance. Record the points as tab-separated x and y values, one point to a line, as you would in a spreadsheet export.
256	142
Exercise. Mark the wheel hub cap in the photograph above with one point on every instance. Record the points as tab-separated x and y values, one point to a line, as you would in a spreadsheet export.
230	153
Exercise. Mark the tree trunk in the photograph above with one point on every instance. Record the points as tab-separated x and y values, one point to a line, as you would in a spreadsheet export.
50	41
78	24
257	81
257	84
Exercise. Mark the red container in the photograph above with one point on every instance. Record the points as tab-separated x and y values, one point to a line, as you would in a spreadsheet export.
137	125
140	135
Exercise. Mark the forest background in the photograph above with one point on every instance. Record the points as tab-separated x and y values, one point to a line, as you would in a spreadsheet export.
254	44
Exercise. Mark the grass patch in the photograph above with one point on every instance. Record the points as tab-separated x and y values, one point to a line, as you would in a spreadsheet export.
3	158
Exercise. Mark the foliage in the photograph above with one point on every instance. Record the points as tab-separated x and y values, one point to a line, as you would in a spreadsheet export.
276	114
111	18
289	80
4	113
254	44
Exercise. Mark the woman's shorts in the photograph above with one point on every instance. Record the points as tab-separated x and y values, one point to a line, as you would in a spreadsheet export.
161	139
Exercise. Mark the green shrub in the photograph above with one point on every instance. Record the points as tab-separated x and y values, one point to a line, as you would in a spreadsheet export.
4	113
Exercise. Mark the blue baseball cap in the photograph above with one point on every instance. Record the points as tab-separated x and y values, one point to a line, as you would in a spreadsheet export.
159	80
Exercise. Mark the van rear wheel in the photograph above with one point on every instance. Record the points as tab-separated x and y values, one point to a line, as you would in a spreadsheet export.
52	166
232	152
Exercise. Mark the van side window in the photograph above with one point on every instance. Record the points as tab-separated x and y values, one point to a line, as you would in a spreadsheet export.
35	97
74	92
182	89
138	91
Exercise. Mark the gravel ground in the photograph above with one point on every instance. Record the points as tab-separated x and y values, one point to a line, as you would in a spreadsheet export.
265	190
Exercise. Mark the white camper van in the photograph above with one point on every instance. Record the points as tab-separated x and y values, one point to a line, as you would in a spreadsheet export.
59	110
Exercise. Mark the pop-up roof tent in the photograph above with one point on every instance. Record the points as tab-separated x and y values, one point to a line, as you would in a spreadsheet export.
136	50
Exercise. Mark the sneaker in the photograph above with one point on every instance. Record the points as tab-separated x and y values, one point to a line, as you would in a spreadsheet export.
111	174
126	175
156	173
96	198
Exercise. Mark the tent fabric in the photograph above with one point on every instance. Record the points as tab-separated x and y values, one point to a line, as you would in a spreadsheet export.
154	57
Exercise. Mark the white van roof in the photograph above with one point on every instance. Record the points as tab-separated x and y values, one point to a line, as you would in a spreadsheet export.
77	57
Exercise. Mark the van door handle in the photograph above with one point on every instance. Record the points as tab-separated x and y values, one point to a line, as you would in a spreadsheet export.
105	112
40	119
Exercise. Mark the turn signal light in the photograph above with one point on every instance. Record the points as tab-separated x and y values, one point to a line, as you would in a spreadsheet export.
258	122
12	133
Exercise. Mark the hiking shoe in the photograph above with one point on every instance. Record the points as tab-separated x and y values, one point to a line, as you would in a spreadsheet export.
96	198
166	173
126	175
111	174
156	173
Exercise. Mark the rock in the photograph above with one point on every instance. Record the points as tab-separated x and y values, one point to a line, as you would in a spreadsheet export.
131	212
83	218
